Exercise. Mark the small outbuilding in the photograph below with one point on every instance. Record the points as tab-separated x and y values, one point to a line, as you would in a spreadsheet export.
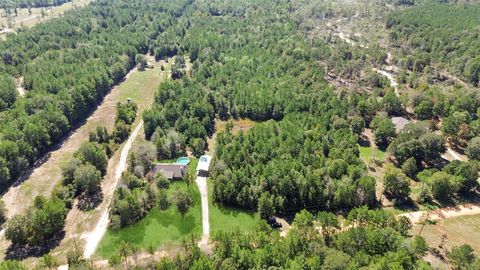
170	171
203	166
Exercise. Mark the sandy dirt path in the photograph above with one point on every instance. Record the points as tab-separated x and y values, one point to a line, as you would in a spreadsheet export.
443	213
92	239
202	186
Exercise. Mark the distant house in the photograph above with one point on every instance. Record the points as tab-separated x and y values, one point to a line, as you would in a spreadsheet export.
203	166
170	171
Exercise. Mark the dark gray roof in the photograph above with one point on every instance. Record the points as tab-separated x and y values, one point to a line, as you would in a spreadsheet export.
170	171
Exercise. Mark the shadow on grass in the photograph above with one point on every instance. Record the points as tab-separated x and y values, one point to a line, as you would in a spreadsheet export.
21	252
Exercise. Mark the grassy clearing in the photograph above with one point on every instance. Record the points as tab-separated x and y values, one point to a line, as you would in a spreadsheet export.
367	153
164	229
224	218
24	17
159	228
458	231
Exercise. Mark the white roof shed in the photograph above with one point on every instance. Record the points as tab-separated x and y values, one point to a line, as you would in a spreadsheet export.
204	163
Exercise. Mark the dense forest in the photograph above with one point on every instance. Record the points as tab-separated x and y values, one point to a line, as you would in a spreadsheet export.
263	73
68	65
438	33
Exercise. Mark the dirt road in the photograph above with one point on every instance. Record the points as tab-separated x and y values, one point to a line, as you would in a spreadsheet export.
202	186
92	239
443	213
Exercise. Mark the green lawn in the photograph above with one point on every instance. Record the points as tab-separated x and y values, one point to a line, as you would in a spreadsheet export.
159	228
224	218
163	229
368	152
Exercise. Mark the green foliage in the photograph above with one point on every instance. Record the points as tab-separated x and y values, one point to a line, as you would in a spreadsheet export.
396	185
182	201
384	131
39	224
87	179
64	81
439	33
8	93
443	185
12	265
462	257
473	148
297	161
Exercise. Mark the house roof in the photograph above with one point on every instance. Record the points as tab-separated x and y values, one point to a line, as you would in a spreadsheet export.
170	171
204	163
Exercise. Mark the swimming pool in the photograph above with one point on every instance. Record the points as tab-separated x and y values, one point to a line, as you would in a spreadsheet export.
183	161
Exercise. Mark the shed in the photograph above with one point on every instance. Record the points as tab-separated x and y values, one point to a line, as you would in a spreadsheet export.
204	164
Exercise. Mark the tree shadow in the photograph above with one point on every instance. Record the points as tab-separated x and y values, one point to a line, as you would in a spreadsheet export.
21	252
364	141
87	202
405	204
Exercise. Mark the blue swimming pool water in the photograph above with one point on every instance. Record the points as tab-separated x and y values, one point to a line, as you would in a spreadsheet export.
183	161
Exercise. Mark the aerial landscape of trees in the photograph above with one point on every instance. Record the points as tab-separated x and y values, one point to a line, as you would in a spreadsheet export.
55	102
299	158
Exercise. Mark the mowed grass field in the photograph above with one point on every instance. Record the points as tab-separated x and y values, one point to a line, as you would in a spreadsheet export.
163	229
159	228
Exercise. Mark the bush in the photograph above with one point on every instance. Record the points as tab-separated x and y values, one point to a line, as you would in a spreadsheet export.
162	181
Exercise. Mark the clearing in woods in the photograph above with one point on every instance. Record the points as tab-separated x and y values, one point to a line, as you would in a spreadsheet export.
140	87
30	18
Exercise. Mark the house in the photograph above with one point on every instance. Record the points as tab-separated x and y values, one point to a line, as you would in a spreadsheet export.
170	171
204	165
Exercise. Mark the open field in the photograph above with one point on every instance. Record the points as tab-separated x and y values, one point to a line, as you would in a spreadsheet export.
223	218
457	231
25	18
159	229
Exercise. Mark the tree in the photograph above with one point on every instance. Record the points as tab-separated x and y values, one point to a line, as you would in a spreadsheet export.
442	185
473	148
266	205
94	154
461	257
409	167
143	155
329	224
182	200
357	125
384	131
392	104
424	110
396	185
87	179
48	261
3	213
126	249
8	93
17	229
141	62
198	146
419	246
161	181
